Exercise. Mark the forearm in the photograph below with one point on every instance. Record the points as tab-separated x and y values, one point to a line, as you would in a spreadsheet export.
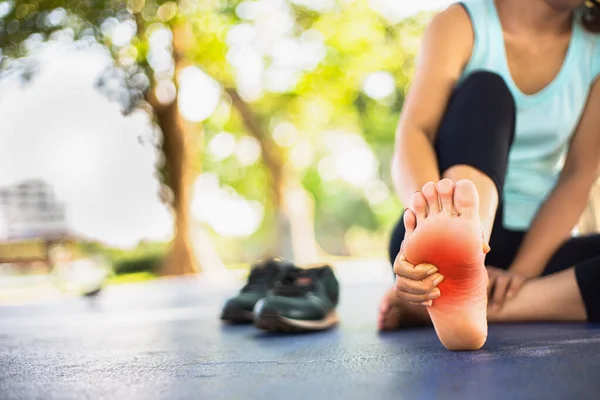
414	164
552	226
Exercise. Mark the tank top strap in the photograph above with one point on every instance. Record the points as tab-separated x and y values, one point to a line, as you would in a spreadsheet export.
482	20
596	57
488	46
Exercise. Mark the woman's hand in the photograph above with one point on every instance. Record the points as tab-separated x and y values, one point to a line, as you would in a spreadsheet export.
416	284
502	286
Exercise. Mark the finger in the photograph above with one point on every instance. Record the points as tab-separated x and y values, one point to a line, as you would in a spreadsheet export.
516	283
417	298
493	270
415	272
500	288
492	280
418	287
384	306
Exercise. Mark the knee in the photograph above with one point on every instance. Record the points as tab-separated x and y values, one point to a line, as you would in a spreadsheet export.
484	86
481	102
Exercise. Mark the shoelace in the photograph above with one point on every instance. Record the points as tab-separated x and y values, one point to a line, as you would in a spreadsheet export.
289	285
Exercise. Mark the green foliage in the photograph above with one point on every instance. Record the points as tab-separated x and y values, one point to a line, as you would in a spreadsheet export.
149	263
131	278
327	95
146	257
330	96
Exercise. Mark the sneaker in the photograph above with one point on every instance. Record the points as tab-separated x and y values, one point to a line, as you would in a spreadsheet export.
302	300
262	278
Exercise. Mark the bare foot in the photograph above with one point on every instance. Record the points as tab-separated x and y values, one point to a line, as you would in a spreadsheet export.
396	314
448	235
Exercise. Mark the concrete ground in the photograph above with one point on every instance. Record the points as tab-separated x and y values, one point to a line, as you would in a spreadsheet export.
163	340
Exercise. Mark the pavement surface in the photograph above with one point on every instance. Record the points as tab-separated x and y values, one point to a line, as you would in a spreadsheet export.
163	340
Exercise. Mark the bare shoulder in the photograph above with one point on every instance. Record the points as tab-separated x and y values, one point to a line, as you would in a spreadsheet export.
446	49
451	32
455	16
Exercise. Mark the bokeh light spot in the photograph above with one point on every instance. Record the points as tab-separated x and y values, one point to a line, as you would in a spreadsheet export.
165	91
285	134
247	151
379	85
167	11
222	145
5	8
199	94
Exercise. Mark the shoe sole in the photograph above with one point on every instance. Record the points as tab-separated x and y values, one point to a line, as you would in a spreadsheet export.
237	316
271	321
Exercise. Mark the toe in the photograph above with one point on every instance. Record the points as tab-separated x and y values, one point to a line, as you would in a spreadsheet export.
418	205
466	200
410	221
445	189
431	195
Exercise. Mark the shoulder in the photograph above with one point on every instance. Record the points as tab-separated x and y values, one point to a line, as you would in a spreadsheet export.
454	21
451	33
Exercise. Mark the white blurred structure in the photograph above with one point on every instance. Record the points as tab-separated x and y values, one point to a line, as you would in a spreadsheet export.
36	230
30	210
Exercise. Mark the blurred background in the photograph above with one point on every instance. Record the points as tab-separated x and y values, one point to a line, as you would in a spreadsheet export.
148	138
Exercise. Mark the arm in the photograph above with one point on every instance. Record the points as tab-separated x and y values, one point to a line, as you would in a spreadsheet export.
446	49
561	211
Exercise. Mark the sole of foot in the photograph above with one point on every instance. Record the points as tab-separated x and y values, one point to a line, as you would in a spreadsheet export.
443	229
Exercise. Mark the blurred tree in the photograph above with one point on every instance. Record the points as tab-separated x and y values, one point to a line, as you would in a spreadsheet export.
143	74
316	85
320	86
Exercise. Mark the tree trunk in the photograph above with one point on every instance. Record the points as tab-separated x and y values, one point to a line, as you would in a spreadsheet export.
176	149
299	208
293	236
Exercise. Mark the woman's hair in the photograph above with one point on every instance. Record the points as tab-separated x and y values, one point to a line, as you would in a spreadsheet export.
591	16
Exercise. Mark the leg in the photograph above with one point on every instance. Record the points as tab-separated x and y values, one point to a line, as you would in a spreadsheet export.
555	297
574	251
563	293
475	137
473	141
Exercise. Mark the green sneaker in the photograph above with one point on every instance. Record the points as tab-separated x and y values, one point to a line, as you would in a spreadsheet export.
262	278
302	300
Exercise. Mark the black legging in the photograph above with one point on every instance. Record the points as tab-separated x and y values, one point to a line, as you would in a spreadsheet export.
478	129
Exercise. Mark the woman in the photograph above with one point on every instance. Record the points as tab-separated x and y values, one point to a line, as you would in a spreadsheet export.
505	99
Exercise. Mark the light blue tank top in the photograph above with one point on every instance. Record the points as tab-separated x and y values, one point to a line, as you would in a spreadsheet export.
545	121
